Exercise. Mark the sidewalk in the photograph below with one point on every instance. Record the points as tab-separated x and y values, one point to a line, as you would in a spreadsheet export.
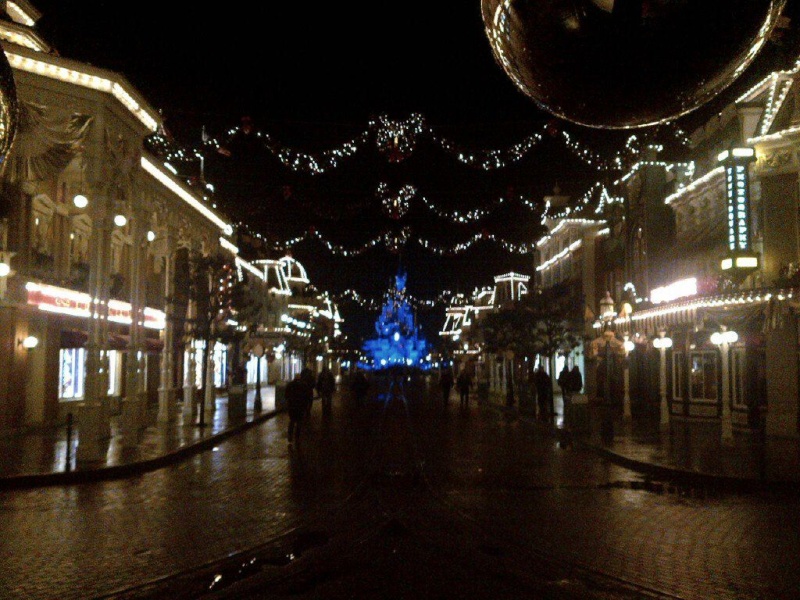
34	458
692	451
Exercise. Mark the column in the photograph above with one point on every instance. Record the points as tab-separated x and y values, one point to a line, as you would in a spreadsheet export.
727	419
131	405
662	386
190	376
166	409
92	422
724	339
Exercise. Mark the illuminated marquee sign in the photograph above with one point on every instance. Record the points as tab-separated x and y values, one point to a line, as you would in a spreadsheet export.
673	291
737	186
68	302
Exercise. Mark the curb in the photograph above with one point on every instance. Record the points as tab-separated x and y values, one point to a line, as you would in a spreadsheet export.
129	469
658	471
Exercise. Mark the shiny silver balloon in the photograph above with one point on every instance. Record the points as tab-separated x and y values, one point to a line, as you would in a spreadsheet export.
626	63
9	113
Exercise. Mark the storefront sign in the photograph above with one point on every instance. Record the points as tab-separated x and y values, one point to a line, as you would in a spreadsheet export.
69	302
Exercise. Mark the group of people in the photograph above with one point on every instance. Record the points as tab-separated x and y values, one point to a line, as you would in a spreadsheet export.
569	380
300	397
463	383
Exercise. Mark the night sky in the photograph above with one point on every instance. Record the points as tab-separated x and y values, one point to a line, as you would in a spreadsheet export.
312	75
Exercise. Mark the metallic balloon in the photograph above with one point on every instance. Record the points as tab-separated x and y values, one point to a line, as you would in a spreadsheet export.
9	113
626	63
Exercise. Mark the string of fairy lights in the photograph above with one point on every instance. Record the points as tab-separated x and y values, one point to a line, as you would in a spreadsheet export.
373	304
393	241
597	195
397	139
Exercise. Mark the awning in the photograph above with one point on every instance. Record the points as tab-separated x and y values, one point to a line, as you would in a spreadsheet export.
74	338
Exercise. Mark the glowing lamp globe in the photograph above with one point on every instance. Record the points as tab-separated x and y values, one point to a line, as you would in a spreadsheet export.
9	112
626	63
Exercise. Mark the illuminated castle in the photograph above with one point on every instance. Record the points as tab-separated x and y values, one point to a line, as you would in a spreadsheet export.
399	341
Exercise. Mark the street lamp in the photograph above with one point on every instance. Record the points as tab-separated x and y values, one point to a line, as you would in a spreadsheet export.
628	346
607	315
661	343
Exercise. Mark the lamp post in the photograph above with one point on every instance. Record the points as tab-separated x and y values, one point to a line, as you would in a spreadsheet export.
662	343
628	345
607	315
257	404
723	339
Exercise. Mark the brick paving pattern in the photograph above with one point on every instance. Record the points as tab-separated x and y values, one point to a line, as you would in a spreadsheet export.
481	475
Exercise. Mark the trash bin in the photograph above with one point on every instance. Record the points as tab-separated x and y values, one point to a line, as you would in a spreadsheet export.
280	396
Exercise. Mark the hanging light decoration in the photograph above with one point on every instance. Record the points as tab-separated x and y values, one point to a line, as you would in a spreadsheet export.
398	139
395	206
397	239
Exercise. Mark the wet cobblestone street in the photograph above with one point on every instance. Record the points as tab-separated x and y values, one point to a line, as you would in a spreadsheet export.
408	501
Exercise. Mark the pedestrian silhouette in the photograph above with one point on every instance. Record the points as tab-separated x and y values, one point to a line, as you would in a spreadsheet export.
307	375
463	383
298	396
326	384
359	385
564	381
446	384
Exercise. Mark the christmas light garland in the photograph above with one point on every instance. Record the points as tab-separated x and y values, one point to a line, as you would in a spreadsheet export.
351	295
397	139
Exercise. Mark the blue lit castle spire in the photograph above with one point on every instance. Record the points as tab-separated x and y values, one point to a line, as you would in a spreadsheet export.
399	341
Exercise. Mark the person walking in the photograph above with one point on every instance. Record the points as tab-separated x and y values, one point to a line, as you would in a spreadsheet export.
307	375
576	380
298	395
359	386
463	383
446	384
564	381
544	392
326	385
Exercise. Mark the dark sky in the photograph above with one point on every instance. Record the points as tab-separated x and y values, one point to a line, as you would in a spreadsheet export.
312	74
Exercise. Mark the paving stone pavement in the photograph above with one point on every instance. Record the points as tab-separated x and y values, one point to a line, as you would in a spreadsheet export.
442	475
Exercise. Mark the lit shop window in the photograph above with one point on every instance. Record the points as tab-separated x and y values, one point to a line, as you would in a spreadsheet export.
114	359
71	373
704	376
220	365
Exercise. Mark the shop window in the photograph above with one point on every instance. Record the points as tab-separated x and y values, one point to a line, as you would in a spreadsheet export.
737	377
678	375
703	377
71	373
220	365
114	372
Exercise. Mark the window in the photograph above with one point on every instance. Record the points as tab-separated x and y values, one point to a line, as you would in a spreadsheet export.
678	375
71	373
703	377
220	361
114	372
737	377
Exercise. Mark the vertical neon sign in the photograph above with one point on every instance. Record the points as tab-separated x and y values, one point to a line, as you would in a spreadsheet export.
737	184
